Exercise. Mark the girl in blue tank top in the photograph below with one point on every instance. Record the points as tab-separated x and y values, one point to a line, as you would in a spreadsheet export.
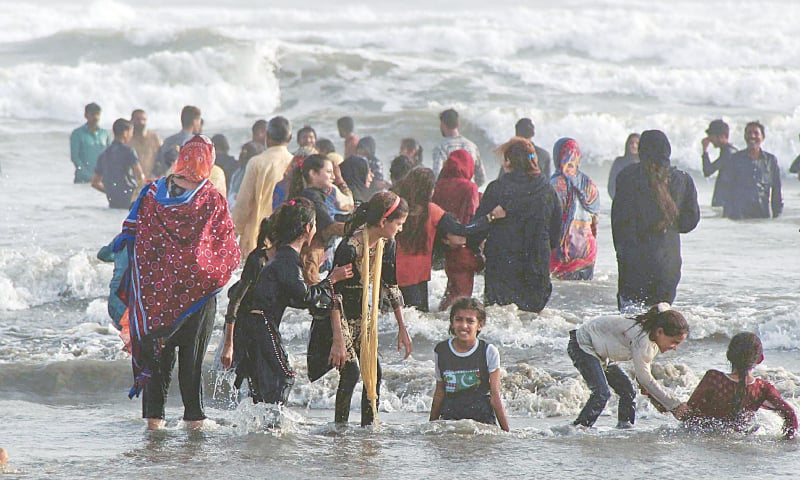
468	370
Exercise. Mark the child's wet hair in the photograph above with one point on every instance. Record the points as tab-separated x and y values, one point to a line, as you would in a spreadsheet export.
291	218
662	316
467	303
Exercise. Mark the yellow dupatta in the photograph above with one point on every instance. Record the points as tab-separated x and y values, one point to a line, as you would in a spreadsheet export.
369	321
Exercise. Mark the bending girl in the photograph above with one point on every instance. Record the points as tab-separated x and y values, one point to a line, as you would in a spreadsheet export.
614	338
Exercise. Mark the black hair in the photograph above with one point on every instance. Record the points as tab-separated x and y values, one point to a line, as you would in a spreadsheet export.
266	232
401	165
671	321
524	128
449	118
260	124
467	303
248	152
325	146
412	144
628	141
346	124
279	129
744	352
367	144
301	173
291	219
416	189
306	129
372	212
121	125
138	110
92	108
756	123
188	115
221	144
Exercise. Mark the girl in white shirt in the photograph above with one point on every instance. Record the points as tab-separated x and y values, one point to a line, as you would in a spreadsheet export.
614	338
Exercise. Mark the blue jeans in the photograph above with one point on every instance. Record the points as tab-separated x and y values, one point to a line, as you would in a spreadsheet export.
598	380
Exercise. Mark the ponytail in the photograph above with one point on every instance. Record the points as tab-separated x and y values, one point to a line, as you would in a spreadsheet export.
658	178
382	205
290	220
654	153
744	352
663	316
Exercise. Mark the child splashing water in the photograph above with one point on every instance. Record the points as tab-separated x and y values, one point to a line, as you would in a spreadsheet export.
730	401
468	370
615	338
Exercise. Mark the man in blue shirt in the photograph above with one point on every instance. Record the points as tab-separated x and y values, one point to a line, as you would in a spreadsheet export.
755	179
191	125
118	171
86	143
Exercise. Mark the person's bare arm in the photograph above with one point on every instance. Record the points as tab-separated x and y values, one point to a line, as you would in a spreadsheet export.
97	183
496	401
438	398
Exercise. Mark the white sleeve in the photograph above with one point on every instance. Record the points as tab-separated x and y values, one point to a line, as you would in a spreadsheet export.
644	351
436	372
492	358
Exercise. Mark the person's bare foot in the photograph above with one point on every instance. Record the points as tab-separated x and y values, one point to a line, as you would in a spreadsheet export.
3	457
155	423
194	424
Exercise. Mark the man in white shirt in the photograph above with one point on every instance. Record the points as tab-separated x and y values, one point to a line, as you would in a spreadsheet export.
449	124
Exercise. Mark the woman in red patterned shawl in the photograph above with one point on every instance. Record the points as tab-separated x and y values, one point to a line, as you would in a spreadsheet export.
574	257
182	251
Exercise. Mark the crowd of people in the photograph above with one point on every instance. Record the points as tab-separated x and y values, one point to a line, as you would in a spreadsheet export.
333	234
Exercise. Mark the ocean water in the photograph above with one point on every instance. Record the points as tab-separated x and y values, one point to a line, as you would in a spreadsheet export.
594	71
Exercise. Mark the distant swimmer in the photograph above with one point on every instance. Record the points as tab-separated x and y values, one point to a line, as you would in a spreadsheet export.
630	157
346	128
449	125
191	125
86	143
526	129
654	204
467	370
717	135
118	173
596	347
145	142
756	178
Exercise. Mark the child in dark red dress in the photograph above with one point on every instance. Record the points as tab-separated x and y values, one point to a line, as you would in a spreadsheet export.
731	400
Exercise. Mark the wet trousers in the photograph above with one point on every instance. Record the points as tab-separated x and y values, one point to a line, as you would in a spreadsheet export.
598	380
348	377
190	341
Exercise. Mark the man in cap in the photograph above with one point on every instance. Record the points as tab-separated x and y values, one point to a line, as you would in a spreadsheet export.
717	135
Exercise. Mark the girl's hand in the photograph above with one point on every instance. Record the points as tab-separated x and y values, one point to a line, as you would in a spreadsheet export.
341	273
338	355
226	358
404	341
499	212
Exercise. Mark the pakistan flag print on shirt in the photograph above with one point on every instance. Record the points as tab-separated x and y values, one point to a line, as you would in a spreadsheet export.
461	380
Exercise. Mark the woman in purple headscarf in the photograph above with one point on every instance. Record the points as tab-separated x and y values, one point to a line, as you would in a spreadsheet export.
573	259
